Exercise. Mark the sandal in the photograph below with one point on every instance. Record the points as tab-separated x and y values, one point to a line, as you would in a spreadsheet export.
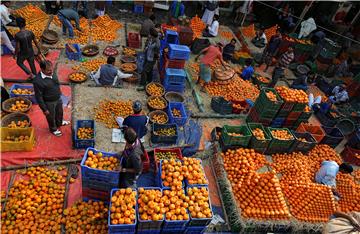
57	133
64	123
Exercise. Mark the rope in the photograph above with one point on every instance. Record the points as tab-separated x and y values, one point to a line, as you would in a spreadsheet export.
318	26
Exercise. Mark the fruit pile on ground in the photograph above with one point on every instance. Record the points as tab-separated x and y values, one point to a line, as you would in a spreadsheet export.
197	26
122	207
85	133
90	65
101	162
109	109
249	31
349	191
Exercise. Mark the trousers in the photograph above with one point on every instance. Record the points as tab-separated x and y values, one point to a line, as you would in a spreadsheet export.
20	62
55	117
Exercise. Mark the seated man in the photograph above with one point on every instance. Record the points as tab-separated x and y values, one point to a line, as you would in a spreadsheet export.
228	50
137	121
340	95
248	71
108	74
259	40
212	31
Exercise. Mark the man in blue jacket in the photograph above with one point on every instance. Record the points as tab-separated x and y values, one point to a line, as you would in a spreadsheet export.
137	121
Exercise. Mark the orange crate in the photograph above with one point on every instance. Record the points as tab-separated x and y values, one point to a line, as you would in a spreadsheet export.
17	146
316	131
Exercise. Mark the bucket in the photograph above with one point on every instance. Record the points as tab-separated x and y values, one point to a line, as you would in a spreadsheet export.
346	126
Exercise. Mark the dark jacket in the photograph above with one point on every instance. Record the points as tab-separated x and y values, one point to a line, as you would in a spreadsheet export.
107	74
145	27
138	123
273	44
132	160
46	90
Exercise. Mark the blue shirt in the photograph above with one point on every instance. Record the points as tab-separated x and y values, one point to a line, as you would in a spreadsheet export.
327	173
181	11
138	123
247	73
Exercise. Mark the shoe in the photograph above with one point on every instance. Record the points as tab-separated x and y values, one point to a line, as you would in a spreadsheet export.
64	123
140	88
57	133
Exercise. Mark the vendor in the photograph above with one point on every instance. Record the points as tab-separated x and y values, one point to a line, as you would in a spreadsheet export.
147	25
284	61
328	171
259	40
340	95
210	53
65	17
160	31
131	165
5	12
271	49
248	70
137	121
108	74
213	29
228	51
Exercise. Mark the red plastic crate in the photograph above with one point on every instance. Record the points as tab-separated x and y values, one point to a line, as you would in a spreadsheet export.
134	40
173	63
316	131
175	150
244	107
294	115
349	155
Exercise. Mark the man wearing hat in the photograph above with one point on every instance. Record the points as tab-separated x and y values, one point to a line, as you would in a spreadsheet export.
137	121
210	53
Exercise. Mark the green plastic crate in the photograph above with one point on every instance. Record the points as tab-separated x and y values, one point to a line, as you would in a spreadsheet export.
306	115
279	146
299	106
263	100
264	111
259	145
236	140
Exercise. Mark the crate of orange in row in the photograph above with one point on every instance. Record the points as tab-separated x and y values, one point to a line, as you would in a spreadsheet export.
177	113
197	177
94	168
17	139
260	138
316	131
236	135
164	133
304	142
84	135
166	180
167	154
120	221
204	217
172	224
281	140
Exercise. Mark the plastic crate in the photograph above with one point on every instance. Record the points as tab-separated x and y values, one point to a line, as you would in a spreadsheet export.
294	115
265	102
171	37
259	145
252	116
163	139
80	143
333	136
198	185
179	52
264	111
92	194
175	76
173	225
96	174
31	97
236	140
325	119
287	107
316	131
299	107
98	184
196	222
144	226
306	115
195	230
160	182
134	40
180	88
138	9
17	146
289	122
121	228
276	145
159	150
180	121
301	146
73	55
354	140
224	147
221	106
351	155
173	230
173	63
283	114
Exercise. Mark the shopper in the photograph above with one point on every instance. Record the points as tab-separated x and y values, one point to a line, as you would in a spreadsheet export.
137	121
228	51
24	49
5	13
248	70
100	8
212	31
210	53
48	95
284	61
152	54
108	74
271	50
84	4
259	40
211	9
5	40
147	25
131	165
65	16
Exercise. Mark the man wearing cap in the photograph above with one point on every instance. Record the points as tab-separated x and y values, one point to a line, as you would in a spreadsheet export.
211	53
137	121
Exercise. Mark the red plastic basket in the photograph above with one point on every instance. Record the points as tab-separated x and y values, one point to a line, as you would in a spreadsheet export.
176	150
173	63
349	156
316	131
134	40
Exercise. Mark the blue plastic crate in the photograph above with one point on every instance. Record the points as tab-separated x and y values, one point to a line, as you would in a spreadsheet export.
93	194
180	121
98	184
195	230
174	76
196	222
80	143
173	230
74	55
163	44
174	225
96	174
179	88
121	228
171	37
148	231
198	185
149	226
179	52
160	183
138	9
31	97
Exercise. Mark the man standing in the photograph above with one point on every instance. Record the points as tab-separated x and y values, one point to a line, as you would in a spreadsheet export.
152	51
212	31
108	74
271	49
211	53
48	95
65	16
147	25
284	61
24	49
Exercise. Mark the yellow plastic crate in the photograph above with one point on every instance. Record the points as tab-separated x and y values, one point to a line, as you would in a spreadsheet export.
17	146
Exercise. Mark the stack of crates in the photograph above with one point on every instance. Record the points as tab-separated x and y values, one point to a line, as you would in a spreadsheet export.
97	184
229	140
175	80
264	109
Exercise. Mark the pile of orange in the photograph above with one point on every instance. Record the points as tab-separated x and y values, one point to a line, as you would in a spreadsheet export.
270	31
194	69
356	174
101	162
175	204
77	76
349	191
150	204
157	103
195	173
22	91
107	109
122	209
249	31
263	79
199	206
90	65
226	34
292	95
197	26
86	217
159	118
258	134
307	109
129	52
271	96
20	106
85	133
235	134
19	124
172	174
155	89
19	139
282	134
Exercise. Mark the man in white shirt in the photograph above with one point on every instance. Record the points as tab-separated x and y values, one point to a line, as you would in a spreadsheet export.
5	13
213	29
